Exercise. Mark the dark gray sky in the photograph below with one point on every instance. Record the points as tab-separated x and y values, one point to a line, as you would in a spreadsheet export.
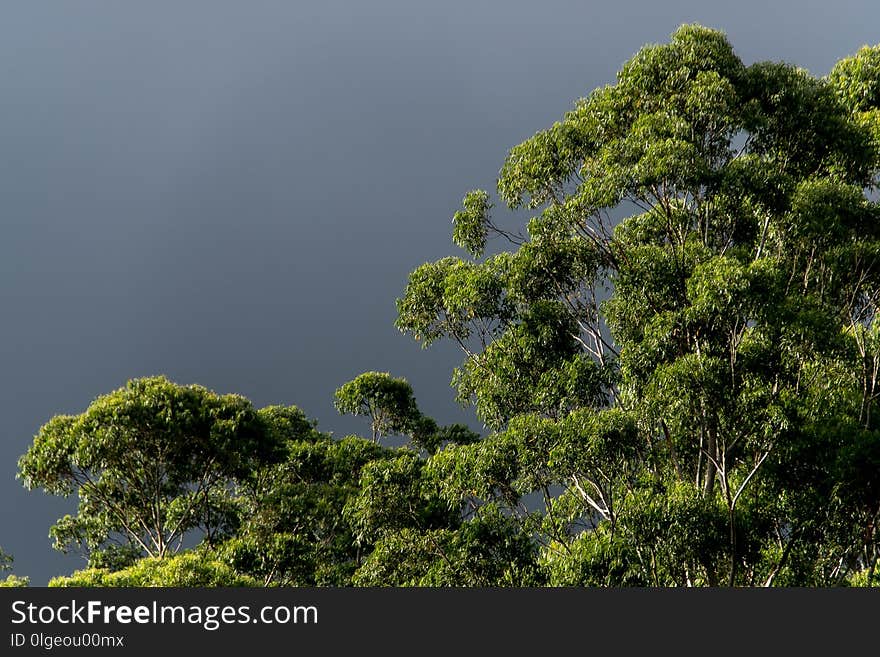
233	193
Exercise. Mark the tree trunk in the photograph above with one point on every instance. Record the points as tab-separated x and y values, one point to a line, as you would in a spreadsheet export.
711	467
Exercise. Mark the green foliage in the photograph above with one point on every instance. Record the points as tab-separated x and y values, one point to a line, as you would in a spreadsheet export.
678	362
453	299
488	550
689	392
393	495
10	581
150	462
857	80
594	558
470	224
294	531
434	438
387	401
187	569
392	409
864	578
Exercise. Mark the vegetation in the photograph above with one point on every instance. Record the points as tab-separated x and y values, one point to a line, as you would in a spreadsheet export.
10	580
677	361
187	569
150	462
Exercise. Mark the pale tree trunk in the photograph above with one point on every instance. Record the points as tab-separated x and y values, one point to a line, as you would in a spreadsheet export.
711	462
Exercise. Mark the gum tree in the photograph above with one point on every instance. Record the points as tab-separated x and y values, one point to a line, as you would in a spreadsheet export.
679	356
10	581
390	405
387	401
151	463
294	531
328	506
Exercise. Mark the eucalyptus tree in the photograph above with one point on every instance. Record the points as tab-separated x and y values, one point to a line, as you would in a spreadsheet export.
315	517
679	353
151	463
294	531
391	406
387	401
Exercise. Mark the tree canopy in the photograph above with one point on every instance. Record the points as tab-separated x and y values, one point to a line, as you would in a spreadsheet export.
386	400
676	359
150	462
680	356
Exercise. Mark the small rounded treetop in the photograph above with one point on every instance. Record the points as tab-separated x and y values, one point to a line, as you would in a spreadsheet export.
150	462
387	401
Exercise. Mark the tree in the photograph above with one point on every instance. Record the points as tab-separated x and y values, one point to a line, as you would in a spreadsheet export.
391	406
294	532
679	358
488	550
151	462
678	361
11	581
276	501
189	568
314	518
387	401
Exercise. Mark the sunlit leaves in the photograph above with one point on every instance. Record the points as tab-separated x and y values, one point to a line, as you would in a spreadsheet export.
856	79
453	299
394	495
150	461
386	400
470	224
187	569
293	531
488	550
535	172
663	370
678	363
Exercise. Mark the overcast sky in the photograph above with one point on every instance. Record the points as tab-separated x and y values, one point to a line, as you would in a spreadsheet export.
233	193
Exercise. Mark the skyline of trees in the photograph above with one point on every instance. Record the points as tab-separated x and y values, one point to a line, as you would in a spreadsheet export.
677	364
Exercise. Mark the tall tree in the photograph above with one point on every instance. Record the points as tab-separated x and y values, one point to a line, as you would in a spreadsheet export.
680	356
